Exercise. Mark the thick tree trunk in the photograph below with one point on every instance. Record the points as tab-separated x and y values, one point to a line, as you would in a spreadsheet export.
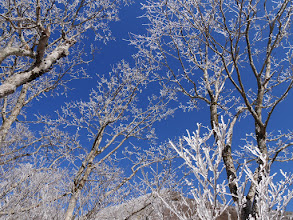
71	206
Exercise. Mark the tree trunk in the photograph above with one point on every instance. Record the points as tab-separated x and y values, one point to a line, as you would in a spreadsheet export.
82	175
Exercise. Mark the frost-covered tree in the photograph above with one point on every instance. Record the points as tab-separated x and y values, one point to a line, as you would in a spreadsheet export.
84	140
37	35
235	57
208	189
232	56
28	192
40	43
113	115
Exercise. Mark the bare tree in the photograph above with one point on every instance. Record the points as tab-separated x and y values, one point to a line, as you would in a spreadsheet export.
36	193
41	42
37	34
35	39
208	190
235	56
109	118
116	112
